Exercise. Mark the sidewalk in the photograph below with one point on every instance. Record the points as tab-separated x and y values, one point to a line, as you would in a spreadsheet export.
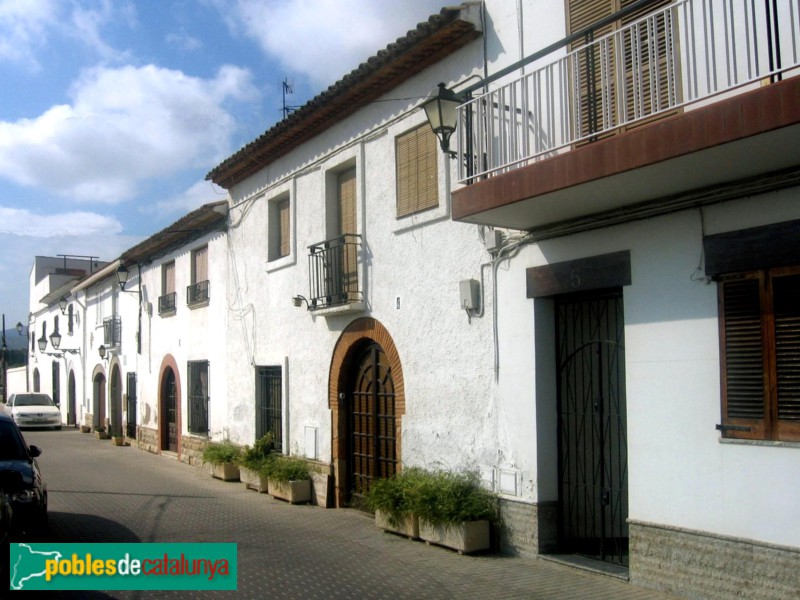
102	493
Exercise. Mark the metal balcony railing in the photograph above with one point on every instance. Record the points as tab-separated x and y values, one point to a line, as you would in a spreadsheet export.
682	54
166	303
197	293
112	331
333	272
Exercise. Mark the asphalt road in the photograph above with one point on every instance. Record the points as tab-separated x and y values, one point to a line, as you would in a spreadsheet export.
102	493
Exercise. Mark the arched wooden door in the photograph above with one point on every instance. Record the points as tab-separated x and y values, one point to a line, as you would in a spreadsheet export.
371	421
169	411
116	402
71	399
99	401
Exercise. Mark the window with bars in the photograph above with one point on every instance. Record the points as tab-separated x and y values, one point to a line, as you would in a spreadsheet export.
279	232
130	409
760	350
269	404
70	320
417	171
198	396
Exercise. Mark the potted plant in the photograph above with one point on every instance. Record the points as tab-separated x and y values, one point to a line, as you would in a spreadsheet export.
119	440
454	510
221	458
392	499
100	433
289	479
86	428
252	463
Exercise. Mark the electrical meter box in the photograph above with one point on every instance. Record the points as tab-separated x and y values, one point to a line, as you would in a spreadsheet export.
470	291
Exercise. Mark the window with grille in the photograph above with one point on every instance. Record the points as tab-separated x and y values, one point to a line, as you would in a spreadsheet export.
760	349
417	171
269	404
198	396
70	320
279	232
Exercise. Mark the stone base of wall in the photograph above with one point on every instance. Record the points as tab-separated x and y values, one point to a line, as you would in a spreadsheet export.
147	439
697	564
528	529
192	450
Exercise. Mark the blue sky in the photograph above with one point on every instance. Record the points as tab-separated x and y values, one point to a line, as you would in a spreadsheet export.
112	112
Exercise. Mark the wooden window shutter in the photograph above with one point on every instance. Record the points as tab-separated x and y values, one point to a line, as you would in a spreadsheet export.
744	368
786	310
347	201
417	171
200	270
283	227
168	282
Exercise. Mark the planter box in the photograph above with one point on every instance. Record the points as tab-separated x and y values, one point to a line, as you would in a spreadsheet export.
408	526
225	471
253	480
118	440
294	492
101	435
470	536
86	429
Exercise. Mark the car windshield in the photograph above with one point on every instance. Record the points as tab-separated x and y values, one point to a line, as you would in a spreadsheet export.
12	447
33	400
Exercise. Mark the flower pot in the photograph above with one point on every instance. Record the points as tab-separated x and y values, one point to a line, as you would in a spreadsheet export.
119	440
408	525
294	492
86	429
101	435
225	471
466	537
253	480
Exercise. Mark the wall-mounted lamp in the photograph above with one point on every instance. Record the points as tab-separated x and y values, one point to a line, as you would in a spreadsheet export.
122	276
62	304
42	341
442	115
55	339
20	327
102	352
298	301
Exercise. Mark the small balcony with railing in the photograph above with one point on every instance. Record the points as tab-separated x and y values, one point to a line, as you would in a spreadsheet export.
634	110
112	331
167	304
197	294
334	284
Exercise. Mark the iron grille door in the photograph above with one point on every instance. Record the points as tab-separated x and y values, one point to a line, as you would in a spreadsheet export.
593	460
268	404
130	409
198	396
170	409
372	438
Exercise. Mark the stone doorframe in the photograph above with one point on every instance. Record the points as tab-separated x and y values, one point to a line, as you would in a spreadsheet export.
169	362
360	330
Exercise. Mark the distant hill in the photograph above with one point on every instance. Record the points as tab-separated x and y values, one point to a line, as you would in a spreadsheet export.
15	341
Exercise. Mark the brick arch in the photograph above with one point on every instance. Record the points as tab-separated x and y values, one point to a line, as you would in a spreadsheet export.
169	362
354	336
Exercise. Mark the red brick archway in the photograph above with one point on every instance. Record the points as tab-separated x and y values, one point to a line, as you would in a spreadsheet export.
352	337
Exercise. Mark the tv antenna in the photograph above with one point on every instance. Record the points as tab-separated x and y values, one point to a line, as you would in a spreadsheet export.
288	88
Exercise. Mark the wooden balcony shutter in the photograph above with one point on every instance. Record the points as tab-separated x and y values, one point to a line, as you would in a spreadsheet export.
786	309
283	227
347	201
417	171
168	281
745	367
200	267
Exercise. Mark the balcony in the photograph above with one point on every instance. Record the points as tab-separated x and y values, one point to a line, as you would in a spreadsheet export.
680	107
166	303
197	294
112	331
333	275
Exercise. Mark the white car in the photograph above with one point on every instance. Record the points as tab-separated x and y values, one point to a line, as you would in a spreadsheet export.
33	410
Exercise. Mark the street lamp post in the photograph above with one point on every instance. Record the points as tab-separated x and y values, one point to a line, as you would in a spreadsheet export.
4	358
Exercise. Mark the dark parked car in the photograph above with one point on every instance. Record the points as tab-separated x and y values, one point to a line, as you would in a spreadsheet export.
21	479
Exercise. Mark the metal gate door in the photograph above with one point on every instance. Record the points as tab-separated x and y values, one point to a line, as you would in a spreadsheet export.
170	433
372	437
592	447
268	404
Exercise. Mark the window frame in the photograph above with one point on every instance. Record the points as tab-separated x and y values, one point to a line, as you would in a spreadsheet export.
262	373
279	224
769	426
193	370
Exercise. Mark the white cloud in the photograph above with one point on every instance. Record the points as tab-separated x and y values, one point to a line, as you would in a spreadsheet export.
184	41
21	222
325	39
124	125
194	197
23	27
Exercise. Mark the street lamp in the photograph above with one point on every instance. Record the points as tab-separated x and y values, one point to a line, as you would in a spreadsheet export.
55	339
42	341
442	115
122	276
62	304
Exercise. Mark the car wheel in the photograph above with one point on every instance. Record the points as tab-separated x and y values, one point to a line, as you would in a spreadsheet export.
58	427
